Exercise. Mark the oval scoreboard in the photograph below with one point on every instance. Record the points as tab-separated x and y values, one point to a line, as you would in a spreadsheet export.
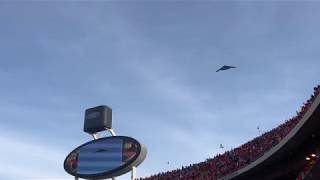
105	157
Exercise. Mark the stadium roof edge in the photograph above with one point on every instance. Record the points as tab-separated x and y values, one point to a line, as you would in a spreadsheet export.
306	124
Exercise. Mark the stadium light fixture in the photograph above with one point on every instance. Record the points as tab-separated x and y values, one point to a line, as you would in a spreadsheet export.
313	155
308	158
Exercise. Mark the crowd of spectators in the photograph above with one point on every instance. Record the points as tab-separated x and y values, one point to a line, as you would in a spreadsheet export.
307	166
235	159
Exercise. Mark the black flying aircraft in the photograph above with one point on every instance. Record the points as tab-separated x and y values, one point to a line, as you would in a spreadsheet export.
223	68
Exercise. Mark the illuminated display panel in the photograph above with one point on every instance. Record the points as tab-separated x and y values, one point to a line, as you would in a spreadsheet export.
103	156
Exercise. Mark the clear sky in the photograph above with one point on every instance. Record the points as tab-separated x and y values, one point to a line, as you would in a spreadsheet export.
154	63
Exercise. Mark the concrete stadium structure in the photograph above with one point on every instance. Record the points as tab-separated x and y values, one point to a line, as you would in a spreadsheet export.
290	151
283	161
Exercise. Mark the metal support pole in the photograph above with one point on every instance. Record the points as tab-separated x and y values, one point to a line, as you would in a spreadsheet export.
111	131
76	178
133	173
95	136
113	178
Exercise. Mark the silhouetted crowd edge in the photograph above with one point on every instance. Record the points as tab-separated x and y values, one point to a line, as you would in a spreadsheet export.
235	159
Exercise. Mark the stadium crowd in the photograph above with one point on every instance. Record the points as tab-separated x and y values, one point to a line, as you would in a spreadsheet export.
307	166
235	159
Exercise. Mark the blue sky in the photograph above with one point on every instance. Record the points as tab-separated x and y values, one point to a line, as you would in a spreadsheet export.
154	63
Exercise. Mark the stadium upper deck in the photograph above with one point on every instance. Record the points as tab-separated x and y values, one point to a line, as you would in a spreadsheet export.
277	154
286	159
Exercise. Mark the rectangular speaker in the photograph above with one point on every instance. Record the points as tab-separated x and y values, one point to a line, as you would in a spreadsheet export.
97	119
